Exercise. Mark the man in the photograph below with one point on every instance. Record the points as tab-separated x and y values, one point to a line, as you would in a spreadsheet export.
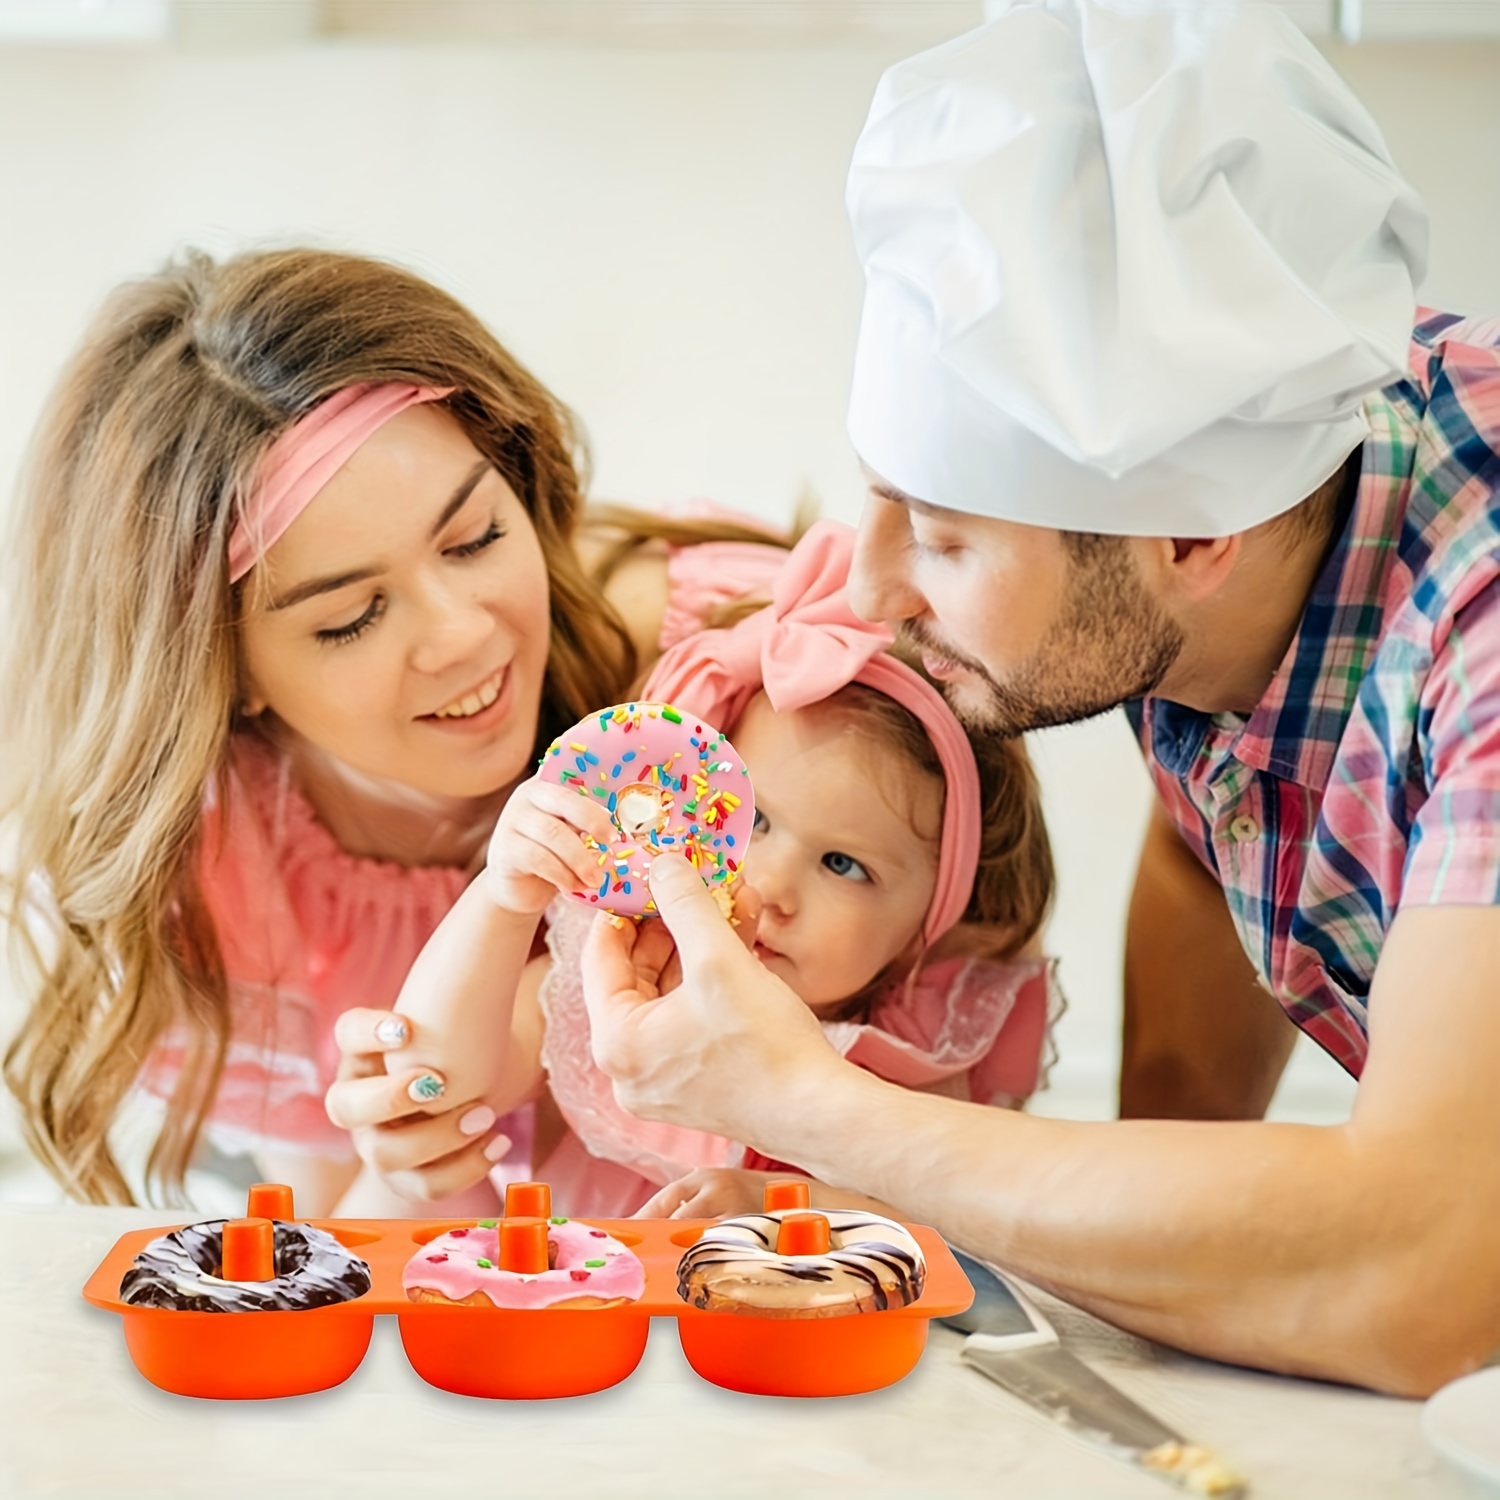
1146	421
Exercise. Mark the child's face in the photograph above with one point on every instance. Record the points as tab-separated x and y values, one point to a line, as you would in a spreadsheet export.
406	626
844	853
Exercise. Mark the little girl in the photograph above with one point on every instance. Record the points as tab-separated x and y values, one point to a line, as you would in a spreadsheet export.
902	886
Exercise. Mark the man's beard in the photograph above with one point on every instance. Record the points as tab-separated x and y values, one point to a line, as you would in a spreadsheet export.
1112	642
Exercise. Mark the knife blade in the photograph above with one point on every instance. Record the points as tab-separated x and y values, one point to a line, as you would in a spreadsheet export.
1012	1343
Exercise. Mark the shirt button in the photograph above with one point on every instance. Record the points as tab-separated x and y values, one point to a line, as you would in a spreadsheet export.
1244	829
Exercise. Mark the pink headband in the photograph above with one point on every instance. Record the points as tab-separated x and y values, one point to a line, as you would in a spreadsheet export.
802	648
307	455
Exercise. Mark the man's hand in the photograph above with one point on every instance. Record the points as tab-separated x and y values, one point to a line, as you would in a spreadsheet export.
714	1050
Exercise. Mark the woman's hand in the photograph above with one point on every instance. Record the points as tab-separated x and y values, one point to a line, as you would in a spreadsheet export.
539	847
403	1127
710	1193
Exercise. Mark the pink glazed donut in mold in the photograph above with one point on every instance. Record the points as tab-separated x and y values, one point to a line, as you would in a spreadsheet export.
585	1267
670	782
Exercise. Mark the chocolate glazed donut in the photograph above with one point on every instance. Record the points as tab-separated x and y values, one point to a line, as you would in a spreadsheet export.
181	1271
873	1264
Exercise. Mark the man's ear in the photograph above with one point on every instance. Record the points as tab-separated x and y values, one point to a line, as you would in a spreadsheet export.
1190	570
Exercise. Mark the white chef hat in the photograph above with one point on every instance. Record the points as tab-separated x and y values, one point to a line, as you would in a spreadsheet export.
1130	266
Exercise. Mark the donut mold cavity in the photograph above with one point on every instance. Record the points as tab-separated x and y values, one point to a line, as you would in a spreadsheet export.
180	1270
586	1268
873	1265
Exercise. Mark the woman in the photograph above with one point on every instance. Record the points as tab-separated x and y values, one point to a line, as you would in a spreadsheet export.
297	602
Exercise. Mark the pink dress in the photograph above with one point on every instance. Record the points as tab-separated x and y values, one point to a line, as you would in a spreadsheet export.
971	1029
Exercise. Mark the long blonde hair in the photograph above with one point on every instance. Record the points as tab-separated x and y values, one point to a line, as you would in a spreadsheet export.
121	675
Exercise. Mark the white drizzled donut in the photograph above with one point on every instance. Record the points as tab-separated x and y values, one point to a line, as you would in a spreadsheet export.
872	1264
181	1270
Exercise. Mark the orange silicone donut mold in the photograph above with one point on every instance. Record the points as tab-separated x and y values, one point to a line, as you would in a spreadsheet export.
517	1355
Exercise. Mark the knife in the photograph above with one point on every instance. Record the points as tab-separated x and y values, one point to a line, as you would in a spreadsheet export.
1011	1342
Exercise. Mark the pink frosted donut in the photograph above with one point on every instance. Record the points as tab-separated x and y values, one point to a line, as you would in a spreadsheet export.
587	1268
669	781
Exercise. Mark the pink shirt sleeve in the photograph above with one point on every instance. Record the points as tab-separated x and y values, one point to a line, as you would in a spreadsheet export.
610	1135
305	931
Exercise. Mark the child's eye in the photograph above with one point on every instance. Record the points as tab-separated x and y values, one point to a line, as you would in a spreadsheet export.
760	824
490	535
340	635
845	865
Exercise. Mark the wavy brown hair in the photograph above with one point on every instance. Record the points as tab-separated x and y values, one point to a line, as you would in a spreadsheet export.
120	673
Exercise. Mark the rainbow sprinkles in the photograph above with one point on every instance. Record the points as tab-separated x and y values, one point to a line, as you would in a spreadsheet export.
670	783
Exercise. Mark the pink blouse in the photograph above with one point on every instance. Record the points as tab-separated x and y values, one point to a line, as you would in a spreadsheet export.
306	931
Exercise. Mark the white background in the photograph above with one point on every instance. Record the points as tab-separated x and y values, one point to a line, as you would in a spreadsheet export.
660	234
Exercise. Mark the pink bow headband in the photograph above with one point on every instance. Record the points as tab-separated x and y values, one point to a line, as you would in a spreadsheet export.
307	455
802	648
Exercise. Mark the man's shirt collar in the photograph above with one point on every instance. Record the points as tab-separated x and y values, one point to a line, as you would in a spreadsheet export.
1294	731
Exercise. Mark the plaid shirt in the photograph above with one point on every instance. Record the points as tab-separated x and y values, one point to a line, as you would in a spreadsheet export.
1368	777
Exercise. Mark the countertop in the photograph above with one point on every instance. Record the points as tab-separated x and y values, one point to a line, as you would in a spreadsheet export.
77	1420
